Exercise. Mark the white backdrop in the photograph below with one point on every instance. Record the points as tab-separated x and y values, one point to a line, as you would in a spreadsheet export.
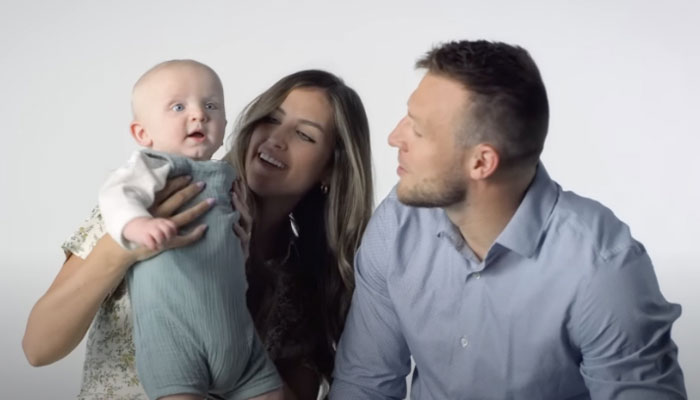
621	75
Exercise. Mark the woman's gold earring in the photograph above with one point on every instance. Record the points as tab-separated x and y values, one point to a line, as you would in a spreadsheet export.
324	188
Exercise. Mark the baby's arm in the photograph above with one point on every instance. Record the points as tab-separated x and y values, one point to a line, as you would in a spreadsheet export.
125	198
152	233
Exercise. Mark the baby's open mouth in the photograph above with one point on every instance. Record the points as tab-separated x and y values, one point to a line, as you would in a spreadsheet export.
196	135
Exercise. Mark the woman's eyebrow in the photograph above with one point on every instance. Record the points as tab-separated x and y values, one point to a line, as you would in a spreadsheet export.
312	123
303	121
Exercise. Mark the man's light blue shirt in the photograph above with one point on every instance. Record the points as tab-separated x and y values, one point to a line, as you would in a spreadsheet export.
565	305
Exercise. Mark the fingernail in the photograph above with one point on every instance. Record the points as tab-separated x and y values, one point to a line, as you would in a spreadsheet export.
200	184
211	201
187	178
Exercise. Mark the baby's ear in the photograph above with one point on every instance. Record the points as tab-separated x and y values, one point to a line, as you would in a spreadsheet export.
139	133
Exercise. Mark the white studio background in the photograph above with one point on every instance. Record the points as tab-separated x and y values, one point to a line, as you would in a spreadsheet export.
621	76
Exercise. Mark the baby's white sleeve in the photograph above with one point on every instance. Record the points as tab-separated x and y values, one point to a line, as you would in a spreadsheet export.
129	191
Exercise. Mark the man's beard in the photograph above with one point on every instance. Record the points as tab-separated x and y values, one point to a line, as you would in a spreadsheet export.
441	192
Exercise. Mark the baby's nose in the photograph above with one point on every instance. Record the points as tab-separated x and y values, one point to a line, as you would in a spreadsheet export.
198	115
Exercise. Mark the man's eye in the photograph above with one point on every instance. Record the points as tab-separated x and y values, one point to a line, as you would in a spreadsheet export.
177	107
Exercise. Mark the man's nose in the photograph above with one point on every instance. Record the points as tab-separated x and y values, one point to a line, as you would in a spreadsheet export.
396	136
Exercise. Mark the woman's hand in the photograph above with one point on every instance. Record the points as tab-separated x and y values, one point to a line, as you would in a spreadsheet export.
244	225
177	192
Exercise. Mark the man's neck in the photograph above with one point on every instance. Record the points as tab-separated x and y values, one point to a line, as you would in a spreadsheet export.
486	211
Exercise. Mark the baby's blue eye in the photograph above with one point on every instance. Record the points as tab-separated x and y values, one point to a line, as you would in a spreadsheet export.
177	107
210	106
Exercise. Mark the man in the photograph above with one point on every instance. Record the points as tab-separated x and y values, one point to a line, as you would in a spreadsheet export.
497	282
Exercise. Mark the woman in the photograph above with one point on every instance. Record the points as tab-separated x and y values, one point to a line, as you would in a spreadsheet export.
302	147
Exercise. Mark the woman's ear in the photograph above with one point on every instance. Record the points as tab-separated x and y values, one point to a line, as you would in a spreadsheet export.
325	180
139	133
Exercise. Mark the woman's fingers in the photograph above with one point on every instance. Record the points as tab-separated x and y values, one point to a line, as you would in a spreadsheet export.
172	186
244	238
243	211
188	238
175	199
241	233
244	224
173	196
239	199
150	250
187	216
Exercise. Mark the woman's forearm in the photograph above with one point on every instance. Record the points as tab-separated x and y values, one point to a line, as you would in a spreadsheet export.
62	316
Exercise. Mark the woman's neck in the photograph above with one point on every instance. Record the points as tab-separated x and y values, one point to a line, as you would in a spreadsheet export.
271	231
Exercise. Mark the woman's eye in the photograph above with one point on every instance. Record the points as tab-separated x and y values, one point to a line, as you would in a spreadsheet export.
305	137
270	120
177	107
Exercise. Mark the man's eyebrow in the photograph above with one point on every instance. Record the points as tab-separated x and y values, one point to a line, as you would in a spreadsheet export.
408	110
413	117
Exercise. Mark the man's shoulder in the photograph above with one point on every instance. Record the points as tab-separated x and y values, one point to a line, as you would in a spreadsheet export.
398	236
590	224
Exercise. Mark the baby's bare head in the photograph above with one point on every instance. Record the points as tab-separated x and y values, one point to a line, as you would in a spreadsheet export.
158	76
178	107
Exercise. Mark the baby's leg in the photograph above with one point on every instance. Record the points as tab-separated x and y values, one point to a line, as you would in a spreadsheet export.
184	396
273	395
169	361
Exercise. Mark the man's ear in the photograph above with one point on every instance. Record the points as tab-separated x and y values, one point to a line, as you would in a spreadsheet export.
139	133
483	161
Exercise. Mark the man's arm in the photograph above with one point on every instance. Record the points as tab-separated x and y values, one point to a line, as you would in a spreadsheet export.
373	359
622	326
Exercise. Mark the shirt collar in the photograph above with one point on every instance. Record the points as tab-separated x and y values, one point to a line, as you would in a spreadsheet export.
523	232
444	226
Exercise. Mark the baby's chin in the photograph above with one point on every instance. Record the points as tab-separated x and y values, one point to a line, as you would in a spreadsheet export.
197	154
200	156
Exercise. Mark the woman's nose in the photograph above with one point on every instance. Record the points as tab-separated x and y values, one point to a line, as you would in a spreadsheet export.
278	138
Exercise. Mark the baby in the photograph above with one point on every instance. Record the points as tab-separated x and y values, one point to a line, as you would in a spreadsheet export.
192	331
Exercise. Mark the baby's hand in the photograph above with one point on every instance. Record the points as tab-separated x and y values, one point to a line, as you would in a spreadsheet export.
153	233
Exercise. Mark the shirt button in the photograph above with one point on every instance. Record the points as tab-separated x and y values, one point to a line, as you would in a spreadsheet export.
477	275
464	341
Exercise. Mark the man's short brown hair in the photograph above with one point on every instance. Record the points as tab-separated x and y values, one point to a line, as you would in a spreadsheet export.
508	101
